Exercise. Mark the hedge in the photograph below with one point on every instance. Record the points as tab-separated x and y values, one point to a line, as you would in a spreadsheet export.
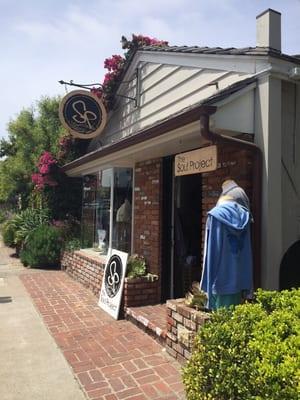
250	352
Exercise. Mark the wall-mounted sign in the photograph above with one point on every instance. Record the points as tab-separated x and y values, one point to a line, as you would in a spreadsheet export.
83	114
112	283
196	161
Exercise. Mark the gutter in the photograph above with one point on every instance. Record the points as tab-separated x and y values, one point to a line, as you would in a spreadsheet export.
150	133
256	187
175	121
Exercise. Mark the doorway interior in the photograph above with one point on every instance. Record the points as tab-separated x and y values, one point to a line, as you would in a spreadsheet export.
181	234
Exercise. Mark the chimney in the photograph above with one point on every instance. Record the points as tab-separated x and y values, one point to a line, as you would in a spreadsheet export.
268	30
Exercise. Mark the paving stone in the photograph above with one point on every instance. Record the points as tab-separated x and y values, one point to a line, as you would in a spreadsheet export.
111	359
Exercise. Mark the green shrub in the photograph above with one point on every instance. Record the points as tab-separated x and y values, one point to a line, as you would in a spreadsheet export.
251	352
43	247
2	216
69	228
8	234
136	266
73	244
26	221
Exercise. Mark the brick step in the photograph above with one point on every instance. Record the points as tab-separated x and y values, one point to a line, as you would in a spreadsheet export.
151	319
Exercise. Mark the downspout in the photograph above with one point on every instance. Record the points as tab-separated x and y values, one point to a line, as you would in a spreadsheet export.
215	138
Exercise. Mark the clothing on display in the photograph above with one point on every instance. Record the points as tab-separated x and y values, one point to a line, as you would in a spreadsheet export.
124	212
122	233
231	189
227	266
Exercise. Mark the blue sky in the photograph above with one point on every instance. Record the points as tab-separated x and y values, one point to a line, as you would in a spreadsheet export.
43	41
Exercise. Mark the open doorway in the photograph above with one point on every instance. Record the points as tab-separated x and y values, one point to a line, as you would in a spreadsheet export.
182	215
187	233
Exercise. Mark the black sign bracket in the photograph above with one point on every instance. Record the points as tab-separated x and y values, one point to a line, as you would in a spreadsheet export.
136	77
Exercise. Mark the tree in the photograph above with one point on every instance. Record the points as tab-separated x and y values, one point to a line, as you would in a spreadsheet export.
33	131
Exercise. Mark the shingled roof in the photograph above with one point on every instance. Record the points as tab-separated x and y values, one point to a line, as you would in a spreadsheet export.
245	51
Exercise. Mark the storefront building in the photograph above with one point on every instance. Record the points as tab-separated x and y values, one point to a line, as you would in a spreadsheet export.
246	102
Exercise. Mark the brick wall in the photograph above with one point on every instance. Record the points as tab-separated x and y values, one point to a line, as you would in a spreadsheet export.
84	268
89	270
232	162
182	325
147	218
140	292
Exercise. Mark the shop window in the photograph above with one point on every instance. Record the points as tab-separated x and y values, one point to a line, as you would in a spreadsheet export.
122	209
107	210
90	183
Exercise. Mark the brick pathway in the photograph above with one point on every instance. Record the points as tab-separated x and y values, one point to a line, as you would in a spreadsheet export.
153	319
111	359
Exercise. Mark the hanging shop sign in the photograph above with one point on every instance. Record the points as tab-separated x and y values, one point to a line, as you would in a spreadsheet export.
113	282
83	114
196	161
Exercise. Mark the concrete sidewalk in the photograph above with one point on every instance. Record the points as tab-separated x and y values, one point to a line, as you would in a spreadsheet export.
32	367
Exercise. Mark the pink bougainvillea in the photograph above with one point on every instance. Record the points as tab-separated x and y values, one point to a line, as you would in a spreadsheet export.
45	163
115	65
141	40
38	180
98	92
44	177
65	144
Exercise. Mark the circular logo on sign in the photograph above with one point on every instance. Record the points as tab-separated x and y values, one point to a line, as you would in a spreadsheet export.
113	276
83	114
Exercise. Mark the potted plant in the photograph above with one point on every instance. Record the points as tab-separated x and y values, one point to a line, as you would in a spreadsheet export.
196	298
137	267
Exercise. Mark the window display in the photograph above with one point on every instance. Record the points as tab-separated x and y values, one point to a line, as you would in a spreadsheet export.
122	209
107	210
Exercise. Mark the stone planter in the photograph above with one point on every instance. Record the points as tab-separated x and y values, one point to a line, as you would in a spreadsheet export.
182	325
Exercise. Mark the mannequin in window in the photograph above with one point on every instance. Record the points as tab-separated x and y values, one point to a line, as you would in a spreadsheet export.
227	263
123	222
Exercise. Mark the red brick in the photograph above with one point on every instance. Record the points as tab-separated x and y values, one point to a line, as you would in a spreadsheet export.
138	397
82	366
161	387
110	397
96	375
98	393
129	366
148	379
149	390
128	381
142	373
96	334
96	385
84	378
129	393
116	384
140	363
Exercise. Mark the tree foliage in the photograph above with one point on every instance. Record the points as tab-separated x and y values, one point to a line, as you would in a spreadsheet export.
33	131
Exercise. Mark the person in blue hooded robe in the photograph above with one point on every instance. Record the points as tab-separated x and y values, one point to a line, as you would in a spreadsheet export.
227	266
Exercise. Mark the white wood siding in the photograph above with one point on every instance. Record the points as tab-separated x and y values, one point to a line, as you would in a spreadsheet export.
165	90
290	163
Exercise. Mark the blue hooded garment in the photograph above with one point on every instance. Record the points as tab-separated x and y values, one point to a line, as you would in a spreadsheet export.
227	267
